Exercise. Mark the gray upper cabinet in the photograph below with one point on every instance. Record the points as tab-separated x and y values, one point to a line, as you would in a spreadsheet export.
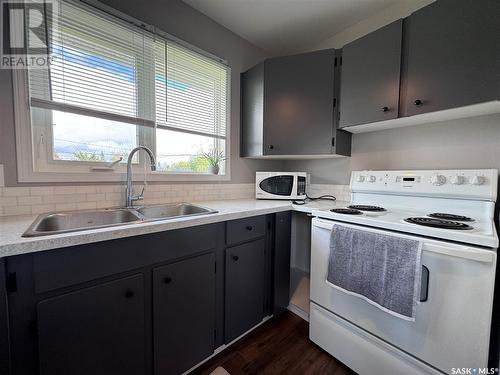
452	56
252	112
369	89
298	112
288	107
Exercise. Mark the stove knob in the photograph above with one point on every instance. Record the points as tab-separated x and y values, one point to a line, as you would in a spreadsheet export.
360	179
372	178
457	180
438	180
477	180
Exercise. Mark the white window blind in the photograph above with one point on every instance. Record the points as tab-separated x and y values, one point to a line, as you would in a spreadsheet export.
107	71
191	94
102	67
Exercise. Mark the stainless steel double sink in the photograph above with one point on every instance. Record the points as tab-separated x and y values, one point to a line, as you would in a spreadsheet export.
64	222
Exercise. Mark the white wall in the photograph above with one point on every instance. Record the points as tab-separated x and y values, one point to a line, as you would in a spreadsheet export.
466	143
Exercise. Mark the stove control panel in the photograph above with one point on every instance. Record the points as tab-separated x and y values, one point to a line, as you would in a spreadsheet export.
477	180
467	183
458	180
438	180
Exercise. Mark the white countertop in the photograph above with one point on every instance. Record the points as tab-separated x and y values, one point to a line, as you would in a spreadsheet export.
12	227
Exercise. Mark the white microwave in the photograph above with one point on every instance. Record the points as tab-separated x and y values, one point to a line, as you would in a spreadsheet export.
280	185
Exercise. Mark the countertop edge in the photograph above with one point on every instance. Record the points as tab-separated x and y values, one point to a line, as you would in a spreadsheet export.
228	210
36	244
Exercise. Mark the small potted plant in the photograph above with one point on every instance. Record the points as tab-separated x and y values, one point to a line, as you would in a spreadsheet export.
214	158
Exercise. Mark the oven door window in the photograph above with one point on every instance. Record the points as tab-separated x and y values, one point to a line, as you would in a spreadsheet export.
277	185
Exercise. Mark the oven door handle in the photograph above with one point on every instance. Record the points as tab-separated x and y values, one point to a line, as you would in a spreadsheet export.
424	284
457	251
464	252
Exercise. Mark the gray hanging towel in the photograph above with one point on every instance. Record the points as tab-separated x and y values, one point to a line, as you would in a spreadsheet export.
385	270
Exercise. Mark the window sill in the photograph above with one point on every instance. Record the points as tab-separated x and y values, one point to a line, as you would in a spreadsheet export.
54	177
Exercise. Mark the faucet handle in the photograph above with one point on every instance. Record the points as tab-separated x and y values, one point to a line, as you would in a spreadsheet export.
138	197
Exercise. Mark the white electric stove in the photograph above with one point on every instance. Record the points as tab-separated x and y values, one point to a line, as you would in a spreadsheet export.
451	213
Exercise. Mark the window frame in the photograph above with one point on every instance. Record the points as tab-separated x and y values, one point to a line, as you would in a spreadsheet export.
64	171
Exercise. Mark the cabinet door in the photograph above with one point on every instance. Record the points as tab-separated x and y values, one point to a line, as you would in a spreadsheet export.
252	111
184	313
298	104
4	323
452	55
245	279
369	89
94	331
281	274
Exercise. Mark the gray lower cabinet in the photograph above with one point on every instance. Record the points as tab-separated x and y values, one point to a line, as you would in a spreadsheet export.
246	229
153	304
369	88
4	324
245	275
183	313
452	55
98	330
281	262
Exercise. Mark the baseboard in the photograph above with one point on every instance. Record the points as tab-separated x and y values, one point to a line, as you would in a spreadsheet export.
299	312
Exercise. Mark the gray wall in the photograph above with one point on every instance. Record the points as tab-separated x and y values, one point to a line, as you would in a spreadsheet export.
465	143
7	131
473	143
182	21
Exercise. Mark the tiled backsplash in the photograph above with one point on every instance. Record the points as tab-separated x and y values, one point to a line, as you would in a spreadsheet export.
341	192
41	199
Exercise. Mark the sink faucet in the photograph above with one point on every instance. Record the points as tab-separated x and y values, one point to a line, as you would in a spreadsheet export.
129	193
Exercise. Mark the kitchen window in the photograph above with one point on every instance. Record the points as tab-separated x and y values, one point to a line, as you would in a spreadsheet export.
111	87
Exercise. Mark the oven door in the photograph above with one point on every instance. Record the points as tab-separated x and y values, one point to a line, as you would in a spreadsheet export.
453	320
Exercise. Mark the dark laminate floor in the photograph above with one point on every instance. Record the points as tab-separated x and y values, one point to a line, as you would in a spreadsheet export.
277	347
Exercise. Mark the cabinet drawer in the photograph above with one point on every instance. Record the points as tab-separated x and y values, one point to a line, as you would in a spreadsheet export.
64	267
245	229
